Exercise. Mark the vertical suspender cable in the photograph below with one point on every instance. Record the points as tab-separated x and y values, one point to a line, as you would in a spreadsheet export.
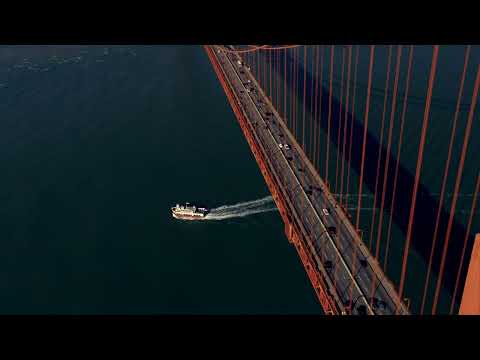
278	82
270	71
304	99
365	128
290	101
347	196
275	87
379	157
293	93
389	142
314	107
312	102
340	120
265	75
304	94
332	52
399	150
345	129
285	84
297	97
433	68
318	111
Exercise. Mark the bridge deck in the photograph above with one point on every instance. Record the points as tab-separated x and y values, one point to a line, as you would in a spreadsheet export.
351	277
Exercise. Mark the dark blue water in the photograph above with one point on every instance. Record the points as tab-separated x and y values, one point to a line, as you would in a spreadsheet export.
96	143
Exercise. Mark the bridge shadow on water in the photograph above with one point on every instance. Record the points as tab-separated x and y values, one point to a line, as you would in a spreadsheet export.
426	206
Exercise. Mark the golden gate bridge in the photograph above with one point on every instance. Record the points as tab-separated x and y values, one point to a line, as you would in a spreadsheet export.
332	125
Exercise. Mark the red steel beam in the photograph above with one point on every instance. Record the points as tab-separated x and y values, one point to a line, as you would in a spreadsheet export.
470	304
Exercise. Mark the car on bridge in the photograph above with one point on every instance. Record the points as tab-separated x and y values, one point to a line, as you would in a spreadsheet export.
328	264
332	230
378	303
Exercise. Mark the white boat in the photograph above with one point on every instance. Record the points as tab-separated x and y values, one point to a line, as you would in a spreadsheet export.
189	212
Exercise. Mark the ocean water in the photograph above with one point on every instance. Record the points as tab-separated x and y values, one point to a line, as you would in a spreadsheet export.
96	144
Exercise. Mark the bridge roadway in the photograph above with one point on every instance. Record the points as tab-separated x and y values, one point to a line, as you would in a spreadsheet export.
353	278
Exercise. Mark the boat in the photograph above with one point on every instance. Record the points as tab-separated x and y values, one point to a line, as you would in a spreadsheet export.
189	212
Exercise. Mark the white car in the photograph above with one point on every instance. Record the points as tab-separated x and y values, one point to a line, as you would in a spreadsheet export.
325	212
280	146
286	147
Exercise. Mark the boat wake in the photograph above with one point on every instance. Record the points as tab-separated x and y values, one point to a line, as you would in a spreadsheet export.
242	209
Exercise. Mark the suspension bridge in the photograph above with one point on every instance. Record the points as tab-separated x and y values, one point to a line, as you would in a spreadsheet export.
332	125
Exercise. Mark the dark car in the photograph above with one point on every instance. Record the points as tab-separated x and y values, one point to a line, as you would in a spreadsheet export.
332	230
379	304
362	310
328	265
